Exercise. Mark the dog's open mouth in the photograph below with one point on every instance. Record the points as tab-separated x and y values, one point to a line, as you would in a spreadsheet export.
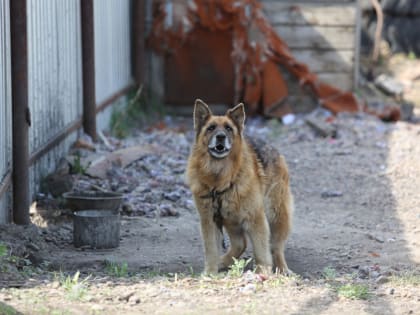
219	151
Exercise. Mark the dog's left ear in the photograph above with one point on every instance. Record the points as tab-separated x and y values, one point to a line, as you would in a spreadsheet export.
237	114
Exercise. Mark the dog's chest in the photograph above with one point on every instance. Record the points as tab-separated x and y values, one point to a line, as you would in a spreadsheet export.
224	209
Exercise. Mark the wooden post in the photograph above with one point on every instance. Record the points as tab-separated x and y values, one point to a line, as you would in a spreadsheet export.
88	63
20	113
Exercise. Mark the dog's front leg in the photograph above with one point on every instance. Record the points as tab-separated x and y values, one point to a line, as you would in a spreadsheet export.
259	233
210	234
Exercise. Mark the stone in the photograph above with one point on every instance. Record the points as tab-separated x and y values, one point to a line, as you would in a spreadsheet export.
57	184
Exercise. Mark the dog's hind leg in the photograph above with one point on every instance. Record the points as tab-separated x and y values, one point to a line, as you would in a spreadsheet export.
237	246
280	225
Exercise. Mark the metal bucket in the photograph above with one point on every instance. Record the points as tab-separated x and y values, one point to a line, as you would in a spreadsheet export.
94	200
98	229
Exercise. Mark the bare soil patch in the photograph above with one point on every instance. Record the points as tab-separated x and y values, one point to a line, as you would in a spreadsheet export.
356	222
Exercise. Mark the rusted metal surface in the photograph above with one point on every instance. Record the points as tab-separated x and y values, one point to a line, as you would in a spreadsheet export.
88	49
193	70
112	47
138	11
19	62
5	112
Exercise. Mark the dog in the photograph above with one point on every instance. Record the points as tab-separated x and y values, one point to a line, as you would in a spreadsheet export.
240	186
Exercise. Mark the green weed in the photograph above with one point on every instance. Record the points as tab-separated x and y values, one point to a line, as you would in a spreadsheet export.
7	310
75	288
329	273
3	250
238	267
142	108
354	291
78	167
406	278
411	55
116	270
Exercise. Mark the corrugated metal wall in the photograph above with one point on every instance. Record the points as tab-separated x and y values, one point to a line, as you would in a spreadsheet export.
55	77
112	47
5	111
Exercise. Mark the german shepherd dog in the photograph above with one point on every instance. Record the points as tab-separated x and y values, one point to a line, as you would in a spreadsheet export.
241	187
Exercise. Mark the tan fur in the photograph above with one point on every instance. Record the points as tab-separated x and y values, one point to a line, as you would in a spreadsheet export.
254	199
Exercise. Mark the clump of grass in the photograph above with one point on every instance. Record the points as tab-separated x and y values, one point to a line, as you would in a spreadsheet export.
3	250
7	310
329	273
354	291
406	278
75	288
116	270
237	269
412	55
78	167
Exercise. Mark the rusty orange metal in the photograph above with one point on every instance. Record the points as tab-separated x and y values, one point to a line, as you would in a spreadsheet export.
203	65
197	35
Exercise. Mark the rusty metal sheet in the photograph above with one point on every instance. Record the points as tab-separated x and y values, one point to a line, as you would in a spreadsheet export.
202	67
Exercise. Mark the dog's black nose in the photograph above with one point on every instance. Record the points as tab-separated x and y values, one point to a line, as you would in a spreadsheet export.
220	137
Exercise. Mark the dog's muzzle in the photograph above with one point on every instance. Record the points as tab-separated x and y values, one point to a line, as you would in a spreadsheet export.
219	145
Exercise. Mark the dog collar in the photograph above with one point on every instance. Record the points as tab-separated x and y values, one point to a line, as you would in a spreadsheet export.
213	194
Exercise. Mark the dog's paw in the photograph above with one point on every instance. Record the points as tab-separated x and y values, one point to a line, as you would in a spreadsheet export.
210	270
284	271
264	270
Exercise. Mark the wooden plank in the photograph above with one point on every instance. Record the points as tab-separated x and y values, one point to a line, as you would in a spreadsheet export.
298	13
326	60
342	81
317	37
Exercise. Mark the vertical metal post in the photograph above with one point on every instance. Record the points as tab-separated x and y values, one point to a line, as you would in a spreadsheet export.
88	63
20	112
138	12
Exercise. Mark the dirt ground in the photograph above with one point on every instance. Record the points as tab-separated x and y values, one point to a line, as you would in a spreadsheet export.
356	227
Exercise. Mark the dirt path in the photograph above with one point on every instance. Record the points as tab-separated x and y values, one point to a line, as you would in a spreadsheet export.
356	223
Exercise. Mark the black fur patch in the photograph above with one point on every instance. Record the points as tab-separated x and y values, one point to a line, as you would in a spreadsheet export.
266	154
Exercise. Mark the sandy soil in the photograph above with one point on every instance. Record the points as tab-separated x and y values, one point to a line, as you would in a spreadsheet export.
356	222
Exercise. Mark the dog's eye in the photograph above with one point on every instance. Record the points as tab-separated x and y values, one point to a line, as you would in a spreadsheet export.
228	128
211	128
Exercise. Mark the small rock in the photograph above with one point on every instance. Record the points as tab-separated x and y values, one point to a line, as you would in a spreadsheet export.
331	194
167	210
97	307
57	184
134	299
55	285
381	280
375	274
127	208
126	297
391	291
172	196
33	247
375	238
389	84
363	272
249	288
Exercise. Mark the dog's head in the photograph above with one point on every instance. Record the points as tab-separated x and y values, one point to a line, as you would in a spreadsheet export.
219	134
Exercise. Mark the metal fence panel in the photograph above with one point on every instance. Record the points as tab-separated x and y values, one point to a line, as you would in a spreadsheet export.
55	77
5	112
112	47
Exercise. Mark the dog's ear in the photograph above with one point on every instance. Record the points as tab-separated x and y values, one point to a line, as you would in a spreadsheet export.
237	114
201	113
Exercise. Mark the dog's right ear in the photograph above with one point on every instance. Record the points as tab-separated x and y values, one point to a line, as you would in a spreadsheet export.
201	114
